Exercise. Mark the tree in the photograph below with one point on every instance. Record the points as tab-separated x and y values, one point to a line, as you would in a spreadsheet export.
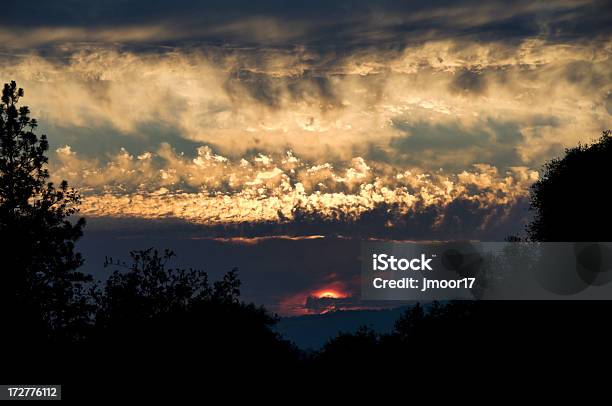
571	198
39	284
164	319
350	351
410	322
147	289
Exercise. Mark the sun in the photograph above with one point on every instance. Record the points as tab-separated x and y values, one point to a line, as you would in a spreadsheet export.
328	293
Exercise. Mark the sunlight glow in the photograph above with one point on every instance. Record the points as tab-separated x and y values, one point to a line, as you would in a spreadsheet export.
329	293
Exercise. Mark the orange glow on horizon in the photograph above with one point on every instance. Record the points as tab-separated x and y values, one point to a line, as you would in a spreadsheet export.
329	293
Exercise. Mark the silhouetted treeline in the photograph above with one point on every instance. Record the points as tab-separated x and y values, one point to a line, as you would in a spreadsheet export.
524	339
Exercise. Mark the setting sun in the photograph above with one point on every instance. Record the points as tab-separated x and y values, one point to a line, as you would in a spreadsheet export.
329	293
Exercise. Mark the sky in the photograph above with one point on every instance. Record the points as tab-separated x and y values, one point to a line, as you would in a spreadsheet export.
242	120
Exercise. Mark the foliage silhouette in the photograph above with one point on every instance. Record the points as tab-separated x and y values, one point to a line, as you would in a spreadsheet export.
350	350
571	198
488	335
165	319
40	289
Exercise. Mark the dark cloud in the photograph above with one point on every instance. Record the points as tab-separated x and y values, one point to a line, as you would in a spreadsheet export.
461	219
586	75
326	304
269	90
373	152
309	87
104	141
322	23
454	146
469	81
440	137
263	88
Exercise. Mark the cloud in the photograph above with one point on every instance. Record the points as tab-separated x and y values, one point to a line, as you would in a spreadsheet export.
298	196
365	103
469	81
451	146
257	121
24	38
318	23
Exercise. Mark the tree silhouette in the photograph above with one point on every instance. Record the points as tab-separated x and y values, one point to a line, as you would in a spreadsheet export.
571	198
147	289
410	322
350	351
165	319
38	282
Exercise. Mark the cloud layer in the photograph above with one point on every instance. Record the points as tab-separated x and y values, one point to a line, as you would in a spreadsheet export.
319	23
447	104
213	190
231	112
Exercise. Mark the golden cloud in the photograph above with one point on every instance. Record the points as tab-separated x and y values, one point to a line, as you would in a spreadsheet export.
427	125
330	109
213	189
